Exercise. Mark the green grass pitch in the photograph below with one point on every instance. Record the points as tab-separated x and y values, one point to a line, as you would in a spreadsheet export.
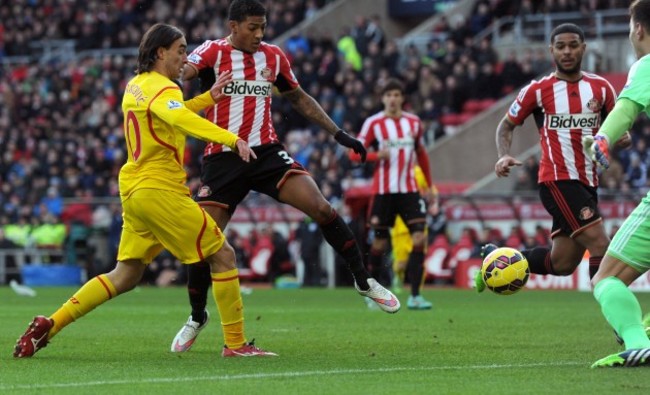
534	342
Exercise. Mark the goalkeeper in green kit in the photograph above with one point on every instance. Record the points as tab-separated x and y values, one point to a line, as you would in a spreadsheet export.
628	255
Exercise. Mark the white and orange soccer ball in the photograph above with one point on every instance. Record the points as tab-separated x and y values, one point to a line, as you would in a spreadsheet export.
505	271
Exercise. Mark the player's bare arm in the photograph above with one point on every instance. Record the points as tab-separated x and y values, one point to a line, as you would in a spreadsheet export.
189	72
505	131
383	154
309	108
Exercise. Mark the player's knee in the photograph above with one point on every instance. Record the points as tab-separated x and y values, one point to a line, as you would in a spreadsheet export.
418	240
564	267
599	246
322	211
124	279
223	260
380	243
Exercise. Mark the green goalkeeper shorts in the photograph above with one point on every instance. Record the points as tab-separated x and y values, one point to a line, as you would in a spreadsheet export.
631	244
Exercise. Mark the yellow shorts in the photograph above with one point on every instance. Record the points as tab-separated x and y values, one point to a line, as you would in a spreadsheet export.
155	219
401	241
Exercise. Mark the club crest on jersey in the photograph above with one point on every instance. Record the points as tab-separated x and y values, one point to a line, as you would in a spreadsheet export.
205	191
266	73
594	105
173	104
586	213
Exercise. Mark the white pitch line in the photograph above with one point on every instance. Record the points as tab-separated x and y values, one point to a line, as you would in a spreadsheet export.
275	375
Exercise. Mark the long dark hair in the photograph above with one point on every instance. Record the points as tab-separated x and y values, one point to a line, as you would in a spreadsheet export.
158	35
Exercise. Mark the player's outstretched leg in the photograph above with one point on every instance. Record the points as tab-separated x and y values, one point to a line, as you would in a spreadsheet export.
337	233
479	284
34	338
381	296
628	358
185	338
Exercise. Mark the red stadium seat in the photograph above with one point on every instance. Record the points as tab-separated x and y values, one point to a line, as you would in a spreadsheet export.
450	120
260	260
513	241
465	117
435	263
461	251
486	103
472	106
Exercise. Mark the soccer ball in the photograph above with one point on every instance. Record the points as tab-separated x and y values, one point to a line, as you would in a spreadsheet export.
505	271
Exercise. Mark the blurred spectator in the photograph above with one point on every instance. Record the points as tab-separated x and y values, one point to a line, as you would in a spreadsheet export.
9	259
490	82
52	203
309	236
19	232
480	19
637	172
347	46
531	166
296	43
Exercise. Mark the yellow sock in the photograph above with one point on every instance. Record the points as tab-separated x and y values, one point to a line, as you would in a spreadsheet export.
399	270
226	292
93	293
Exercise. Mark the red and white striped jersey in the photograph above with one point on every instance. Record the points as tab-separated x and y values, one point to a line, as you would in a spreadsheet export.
565	112
400	137
246	110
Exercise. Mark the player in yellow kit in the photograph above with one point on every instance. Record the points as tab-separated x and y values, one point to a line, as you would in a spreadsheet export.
158	211
401	242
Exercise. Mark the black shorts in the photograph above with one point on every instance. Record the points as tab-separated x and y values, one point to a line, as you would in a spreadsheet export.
226	179
385	208
572	204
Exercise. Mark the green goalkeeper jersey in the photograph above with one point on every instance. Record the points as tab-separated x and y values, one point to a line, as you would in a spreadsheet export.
634	98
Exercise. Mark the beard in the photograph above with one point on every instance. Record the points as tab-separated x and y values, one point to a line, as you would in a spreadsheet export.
572	70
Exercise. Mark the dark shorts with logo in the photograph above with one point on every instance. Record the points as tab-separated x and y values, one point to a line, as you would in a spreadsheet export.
572	204
226	179
385	208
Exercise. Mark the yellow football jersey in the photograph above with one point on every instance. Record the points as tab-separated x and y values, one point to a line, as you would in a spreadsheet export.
156	124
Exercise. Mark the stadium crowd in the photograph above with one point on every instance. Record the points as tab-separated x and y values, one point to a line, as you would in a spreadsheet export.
61	129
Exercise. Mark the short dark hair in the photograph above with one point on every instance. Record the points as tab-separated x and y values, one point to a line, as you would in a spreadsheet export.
568	28
241	9
392	84
640	13
158	35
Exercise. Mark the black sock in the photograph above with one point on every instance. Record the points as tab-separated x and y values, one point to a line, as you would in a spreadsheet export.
337	233
378	268
539	260
198	283
594	264
415	270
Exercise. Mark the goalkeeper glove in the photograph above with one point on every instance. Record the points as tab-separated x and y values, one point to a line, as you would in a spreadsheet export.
597	148
348	141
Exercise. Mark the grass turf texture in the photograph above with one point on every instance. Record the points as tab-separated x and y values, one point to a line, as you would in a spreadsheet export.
329	343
